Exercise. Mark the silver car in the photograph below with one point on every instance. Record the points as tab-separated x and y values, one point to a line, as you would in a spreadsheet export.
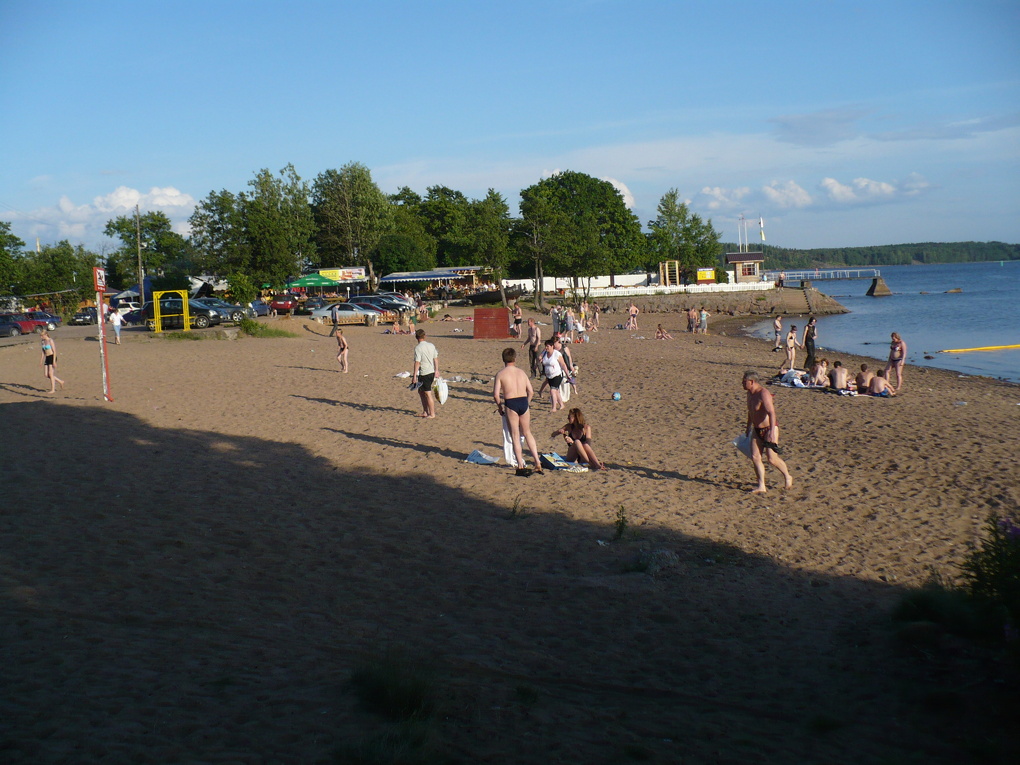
346	309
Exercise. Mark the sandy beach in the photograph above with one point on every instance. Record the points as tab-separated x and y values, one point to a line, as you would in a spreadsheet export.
191	572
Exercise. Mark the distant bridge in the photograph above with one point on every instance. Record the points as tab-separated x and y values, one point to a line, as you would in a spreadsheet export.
813	274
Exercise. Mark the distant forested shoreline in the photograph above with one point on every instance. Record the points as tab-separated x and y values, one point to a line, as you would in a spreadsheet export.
886	255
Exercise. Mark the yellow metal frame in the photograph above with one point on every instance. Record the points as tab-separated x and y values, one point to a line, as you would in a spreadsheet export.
157	315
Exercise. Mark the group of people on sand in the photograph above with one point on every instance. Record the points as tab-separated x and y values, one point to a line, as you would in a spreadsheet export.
572	324
512	391
876	384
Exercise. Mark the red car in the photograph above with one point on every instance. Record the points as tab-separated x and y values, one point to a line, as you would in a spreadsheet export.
27	325
283	303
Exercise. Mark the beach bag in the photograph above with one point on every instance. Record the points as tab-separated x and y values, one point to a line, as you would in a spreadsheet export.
743	444
553	461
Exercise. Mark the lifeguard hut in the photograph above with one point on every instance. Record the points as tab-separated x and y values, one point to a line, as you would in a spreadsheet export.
748	265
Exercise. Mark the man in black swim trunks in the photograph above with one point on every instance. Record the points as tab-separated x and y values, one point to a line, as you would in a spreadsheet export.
761	416
512	391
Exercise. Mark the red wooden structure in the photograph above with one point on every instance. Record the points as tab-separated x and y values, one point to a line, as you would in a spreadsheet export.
492	324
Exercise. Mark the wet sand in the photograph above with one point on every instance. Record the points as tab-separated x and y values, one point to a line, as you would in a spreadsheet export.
191	572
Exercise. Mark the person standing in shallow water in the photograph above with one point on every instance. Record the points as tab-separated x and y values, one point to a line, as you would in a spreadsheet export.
763	426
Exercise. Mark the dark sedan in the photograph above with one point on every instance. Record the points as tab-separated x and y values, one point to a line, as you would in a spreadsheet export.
84	316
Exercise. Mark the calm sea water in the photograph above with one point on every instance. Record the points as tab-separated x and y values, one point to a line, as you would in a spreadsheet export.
987	312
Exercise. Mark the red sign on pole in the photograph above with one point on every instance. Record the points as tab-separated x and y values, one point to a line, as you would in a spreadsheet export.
99	279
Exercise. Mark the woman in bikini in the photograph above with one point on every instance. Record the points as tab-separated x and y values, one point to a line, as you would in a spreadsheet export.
897	358
661	334
577	434
49	361
341	350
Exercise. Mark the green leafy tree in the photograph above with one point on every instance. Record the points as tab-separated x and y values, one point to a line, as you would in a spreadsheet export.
242	288
278	225
488	226
351	214
218	234
11	258
592	233
677	234
536	234
163	249
445	212
59	267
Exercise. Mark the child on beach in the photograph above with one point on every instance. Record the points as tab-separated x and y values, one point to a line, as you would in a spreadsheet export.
577	434
341	350
661	334
49	361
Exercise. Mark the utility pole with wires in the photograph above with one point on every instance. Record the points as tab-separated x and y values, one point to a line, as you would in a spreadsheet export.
138	241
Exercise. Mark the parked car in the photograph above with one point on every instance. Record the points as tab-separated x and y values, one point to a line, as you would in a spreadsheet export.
283	303
52	320
235	312
370	306
387	304
172	314
346	309
315	302
134	317
398	297
9	327
259	307
27	325
86	315
126	306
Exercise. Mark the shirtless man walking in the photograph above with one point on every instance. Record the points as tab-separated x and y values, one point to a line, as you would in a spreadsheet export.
761	416
512	392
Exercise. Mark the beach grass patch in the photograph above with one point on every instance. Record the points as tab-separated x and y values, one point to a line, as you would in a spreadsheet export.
518	510
253	328
410	744
620	524
526	694
396	685
182	335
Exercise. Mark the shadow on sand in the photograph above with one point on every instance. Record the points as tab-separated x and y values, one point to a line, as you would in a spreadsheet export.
184	595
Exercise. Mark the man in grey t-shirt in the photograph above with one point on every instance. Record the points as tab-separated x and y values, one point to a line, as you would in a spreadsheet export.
426	367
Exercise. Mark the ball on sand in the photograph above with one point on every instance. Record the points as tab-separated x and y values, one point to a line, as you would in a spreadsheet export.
616	397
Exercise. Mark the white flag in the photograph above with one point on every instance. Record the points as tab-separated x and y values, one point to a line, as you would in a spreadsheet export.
761	225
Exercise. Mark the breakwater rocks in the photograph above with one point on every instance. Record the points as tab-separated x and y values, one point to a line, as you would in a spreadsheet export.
787	301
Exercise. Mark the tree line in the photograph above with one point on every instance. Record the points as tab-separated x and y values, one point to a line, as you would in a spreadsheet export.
778	258
280	226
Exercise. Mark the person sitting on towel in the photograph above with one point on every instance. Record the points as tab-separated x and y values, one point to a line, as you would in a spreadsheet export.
577	434
879	386
839	377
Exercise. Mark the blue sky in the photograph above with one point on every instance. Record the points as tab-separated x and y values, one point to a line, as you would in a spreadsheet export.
841	123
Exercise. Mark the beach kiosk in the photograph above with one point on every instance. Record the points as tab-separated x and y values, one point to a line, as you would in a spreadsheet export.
748	265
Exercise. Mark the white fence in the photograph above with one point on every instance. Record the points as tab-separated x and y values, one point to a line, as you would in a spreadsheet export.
632	285
690	289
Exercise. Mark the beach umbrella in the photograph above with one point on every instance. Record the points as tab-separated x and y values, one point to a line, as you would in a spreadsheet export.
313	280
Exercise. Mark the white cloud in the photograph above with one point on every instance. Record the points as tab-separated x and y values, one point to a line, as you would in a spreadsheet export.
859	190
718	198
787	194
628	198
85	222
